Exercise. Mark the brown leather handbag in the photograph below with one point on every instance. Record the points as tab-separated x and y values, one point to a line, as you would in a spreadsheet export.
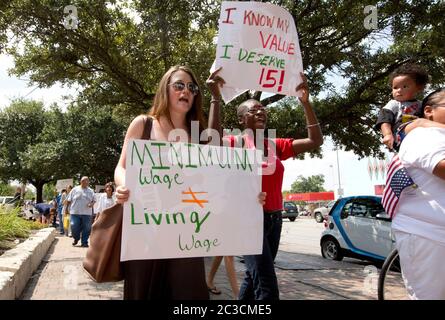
102	261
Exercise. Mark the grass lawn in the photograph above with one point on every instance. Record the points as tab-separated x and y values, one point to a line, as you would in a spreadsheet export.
14	229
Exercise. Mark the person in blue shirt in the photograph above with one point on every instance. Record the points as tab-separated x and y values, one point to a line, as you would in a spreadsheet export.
44	210
58	203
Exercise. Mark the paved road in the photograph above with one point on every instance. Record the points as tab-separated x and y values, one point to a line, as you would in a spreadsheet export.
301	236
302	273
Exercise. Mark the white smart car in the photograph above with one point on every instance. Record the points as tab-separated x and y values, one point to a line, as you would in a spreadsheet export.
357	227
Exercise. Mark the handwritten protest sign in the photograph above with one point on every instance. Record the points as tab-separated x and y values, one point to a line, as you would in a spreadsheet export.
99	188
63	184
190	200
258	49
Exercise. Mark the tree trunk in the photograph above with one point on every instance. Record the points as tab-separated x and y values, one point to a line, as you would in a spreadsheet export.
39	191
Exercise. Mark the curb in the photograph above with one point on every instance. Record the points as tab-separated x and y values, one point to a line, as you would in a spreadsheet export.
17	265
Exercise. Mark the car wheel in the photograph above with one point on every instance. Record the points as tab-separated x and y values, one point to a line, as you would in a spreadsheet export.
318	217
292	219
330	249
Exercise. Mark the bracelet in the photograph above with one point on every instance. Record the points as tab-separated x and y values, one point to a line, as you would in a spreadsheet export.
215	100
313	125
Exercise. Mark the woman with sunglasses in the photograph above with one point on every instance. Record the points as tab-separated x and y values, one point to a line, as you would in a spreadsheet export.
419	220
178	102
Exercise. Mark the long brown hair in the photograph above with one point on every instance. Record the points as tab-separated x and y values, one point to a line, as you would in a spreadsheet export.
161	101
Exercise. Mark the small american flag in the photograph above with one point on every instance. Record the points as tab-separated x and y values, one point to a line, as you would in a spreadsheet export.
397	179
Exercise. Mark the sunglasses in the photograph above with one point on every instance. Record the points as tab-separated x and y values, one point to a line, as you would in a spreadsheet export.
256	109
180	86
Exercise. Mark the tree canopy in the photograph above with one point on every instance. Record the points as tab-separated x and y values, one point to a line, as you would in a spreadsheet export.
40	145
309	184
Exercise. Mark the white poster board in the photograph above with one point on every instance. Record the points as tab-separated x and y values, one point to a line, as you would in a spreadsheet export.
190	200
99	188
63	184
258	49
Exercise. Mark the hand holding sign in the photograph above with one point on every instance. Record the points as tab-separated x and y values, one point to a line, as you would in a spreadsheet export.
122	194
304	88
214	82
258	49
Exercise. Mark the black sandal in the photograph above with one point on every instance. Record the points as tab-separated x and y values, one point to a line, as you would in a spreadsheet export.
214	290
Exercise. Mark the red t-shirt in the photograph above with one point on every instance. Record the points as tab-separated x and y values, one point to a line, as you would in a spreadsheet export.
272	179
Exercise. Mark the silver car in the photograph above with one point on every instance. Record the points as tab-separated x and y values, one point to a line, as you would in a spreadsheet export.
322	213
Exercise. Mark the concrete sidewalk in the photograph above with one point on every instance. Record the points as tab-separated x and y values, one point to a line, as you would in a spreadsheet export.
61	277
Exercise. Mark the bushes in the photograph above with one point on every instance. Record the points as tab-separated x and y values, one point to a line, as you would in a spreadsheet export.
13	226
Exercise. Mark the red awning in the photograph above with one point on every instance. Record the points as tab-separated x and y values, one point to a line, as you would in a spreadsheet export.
311	196
378	189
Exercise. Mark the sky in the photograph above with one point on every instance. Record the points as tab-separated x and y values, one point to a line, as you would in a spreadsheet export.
349	173
12	87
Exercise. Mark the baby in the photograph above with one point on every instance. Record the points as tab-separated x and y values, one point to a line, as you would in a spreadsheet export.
407	82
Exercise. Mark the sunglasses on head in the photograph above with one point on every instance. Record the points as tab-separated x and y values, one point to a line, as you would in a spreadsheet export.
180	86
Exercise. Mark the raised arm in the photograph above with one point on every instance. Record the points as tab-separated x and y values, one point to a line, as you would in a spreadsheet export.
214	82
315	137
388	138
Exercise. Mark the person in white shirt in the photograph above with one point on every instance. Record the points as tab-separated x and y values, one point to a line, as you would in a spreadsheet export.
419	222
106	199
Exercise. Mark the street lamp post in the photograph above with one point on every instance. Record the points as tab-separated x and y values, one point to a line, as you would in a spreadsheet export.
340	190
333	176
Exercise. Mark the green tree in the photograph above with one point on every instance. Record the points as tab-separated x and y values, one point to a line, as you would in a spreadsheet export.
49	191
29	194
46	145
309	184
6	189
21	124
93	137
115	58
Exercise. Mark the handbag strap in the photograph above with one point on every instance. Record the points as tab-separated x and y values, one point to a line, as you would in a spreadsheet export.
148	124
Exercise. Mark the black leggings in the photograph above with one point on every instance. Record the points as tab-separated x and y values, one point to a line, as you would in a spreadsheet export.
166	279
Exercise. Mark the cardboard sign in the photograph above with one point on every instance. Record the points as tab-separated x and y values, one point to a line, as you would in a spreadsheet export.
63	184
99	188
258	49
190	200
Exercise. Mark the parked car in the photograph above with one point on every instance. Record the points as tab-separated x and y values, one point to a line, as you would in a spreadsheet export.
357	227
321	213
290	210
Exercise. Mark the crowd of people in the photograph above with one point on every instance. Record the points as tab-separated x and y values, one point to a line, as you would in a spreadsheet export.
72	211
